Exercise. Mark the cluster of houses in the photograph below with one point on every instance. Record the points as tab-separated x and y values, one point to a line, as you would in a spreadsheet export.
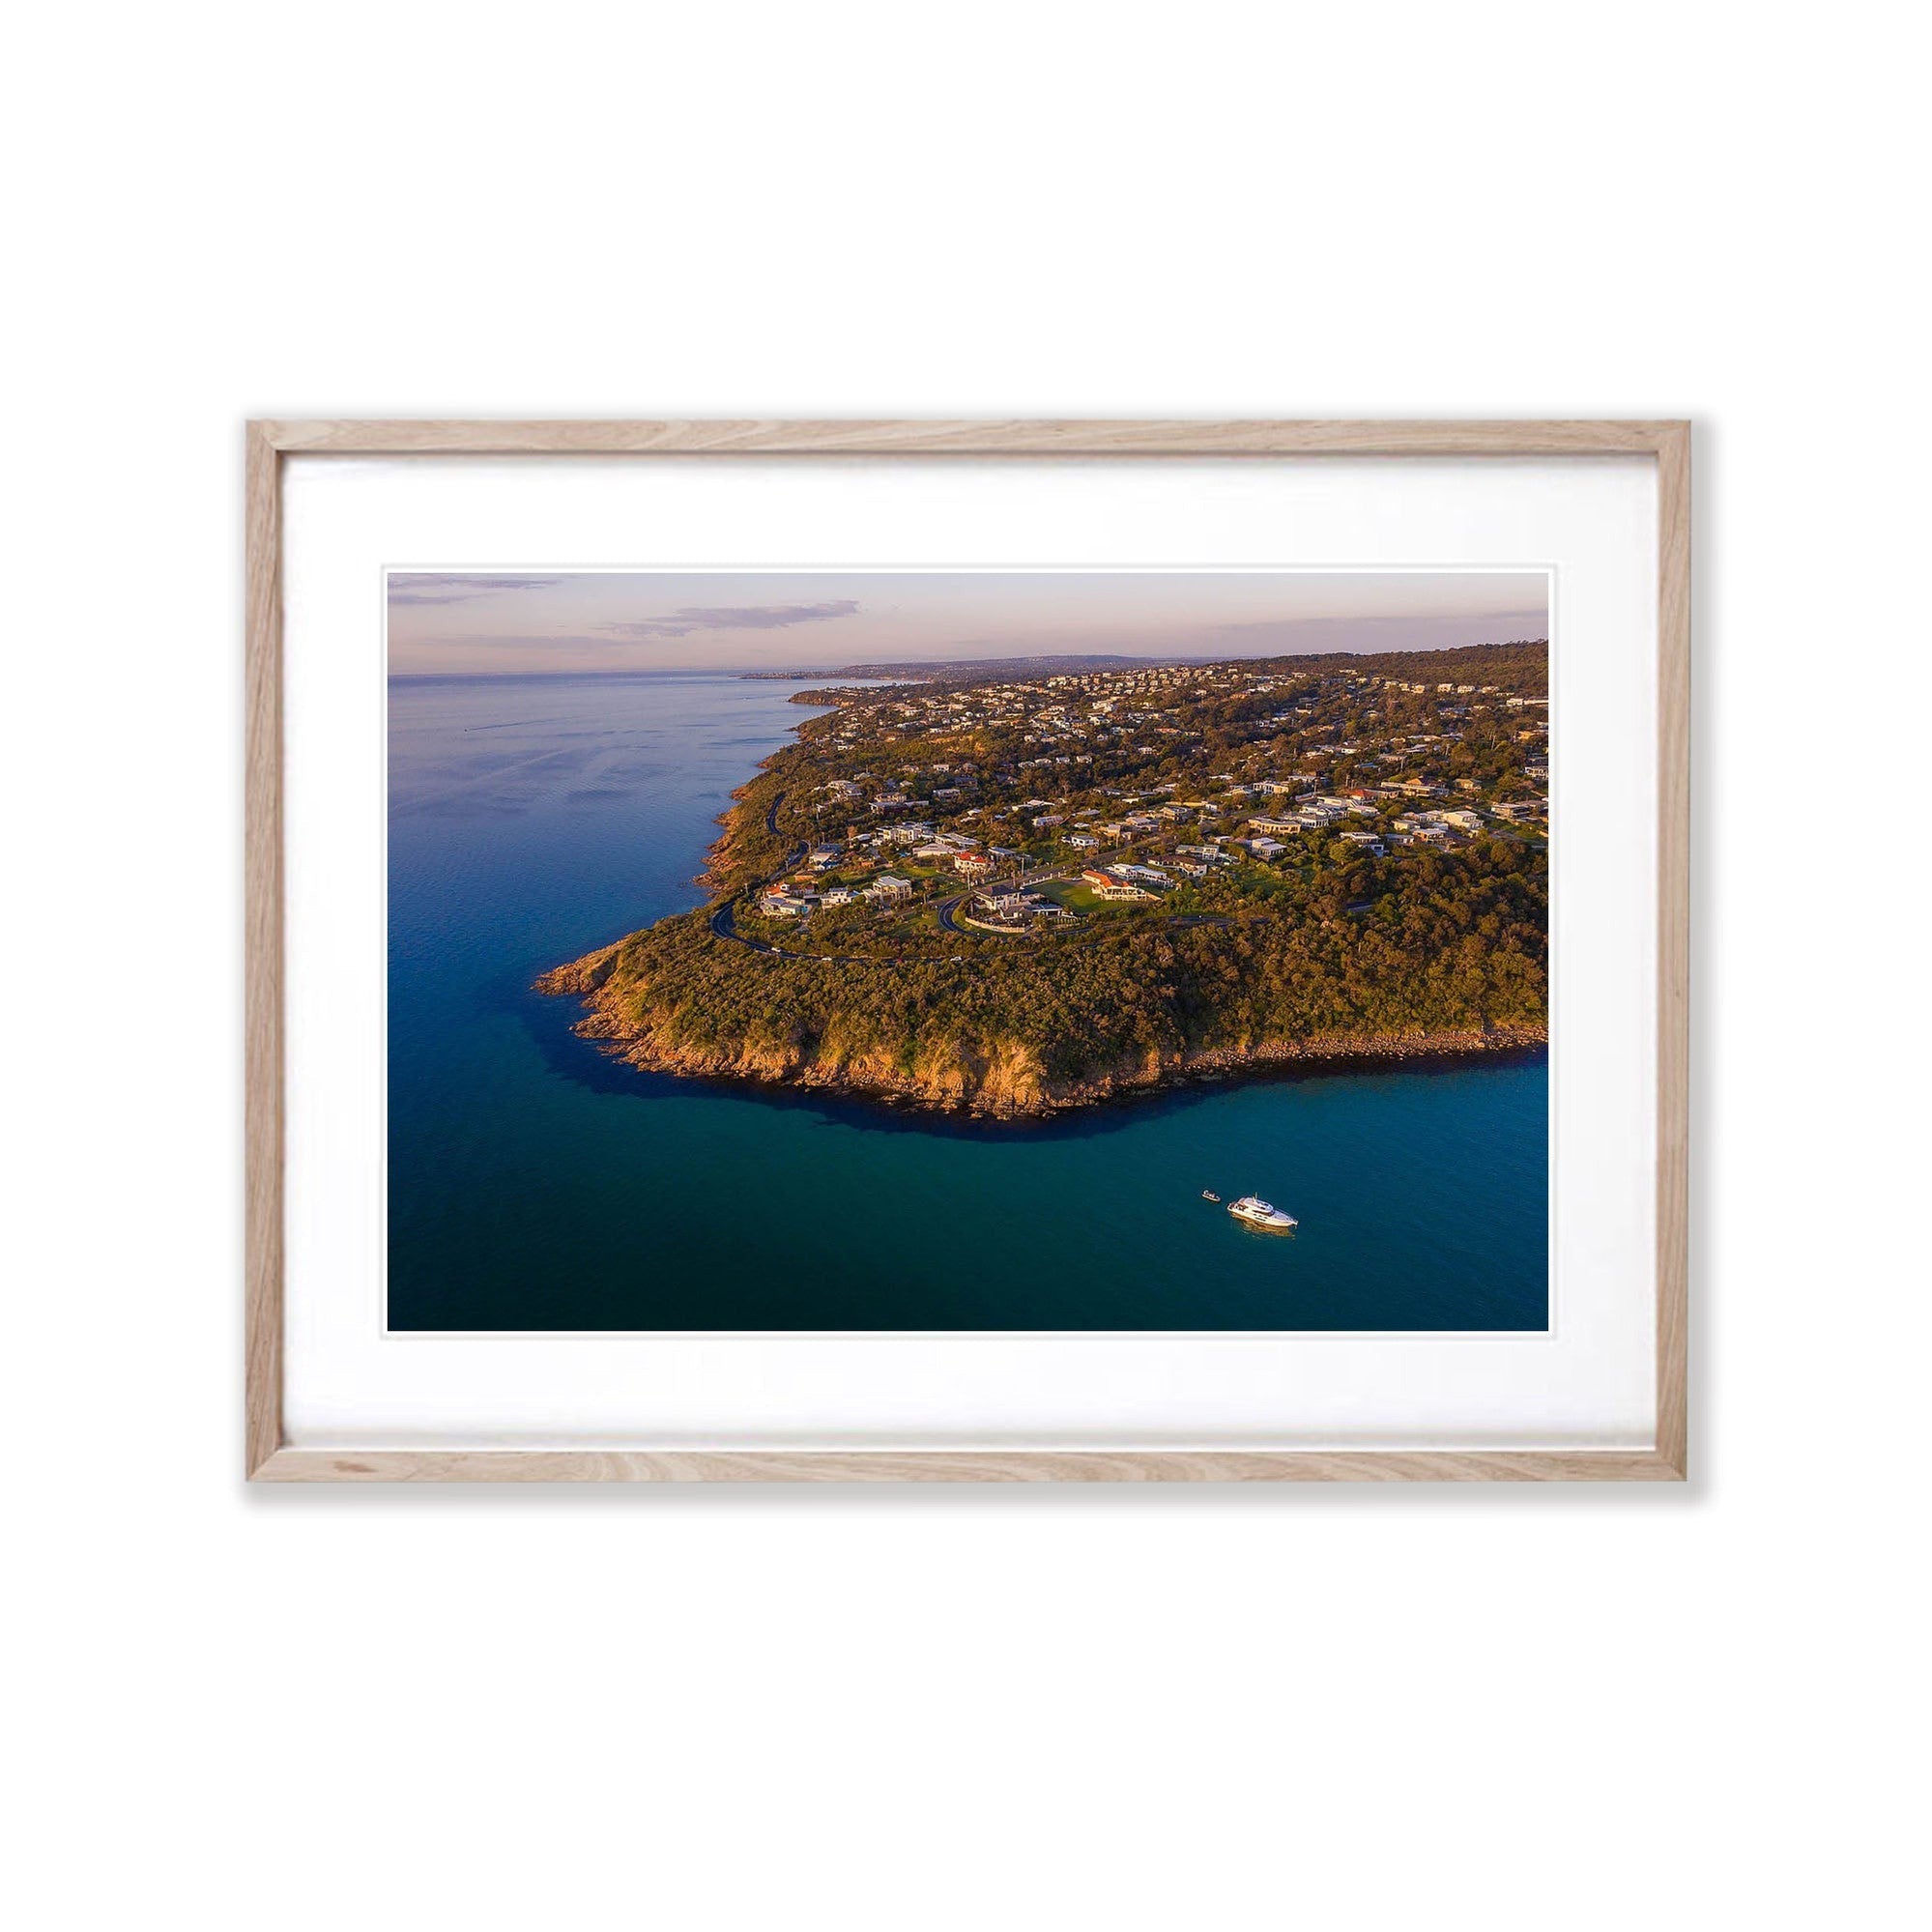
1069	720
1071	766
786	898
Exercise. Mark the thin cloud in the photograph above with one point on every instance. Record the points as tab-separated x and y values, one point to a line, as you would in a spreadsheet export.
727	616
438	588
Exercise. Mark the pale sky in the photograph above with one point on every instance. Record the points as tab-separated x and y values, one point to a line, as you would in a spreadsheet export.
531	620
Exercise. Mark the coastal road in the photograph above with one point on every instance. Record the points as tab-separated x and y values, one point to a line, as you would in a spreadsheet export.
721	921
721	925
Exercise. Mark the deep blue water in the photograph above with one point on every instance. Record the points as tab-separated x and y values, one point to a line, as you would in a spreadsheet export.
535	1183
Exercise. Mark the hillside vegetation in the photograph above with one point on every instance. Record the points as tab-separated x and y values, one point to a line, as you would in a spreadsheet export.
1324	950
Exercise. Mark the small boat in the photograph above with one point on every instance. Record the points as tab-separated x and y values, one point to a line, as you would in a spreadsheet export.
1208	1193
1259	1213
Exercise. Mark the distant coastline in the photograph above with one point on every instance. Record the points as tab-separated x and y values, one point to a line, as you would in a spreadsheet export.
929	671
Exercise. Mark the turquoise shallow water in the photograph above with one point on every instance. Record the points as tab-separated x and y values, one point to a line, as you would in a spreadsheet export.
536	1184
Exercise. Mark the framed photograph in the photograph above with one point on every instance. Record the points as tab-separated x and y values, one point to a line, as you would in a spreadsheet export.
949	951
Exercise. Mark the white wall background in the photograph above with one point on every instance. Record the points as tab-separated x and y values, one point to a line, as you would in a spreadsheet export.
962	1710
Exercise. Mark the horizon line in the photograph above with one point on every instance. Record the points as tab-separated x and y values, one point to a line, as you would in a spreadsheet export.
772	674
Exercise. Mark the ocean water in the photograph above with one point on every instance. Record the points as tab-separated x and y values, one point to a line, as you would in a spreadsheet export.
537	1184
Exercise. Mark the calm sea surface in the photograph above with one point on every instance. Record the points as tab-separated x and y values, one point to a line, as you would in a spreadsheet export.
536	1184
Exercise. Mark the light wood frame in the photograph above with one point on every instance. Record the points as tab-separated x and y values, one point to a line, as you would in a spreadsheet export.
269	1459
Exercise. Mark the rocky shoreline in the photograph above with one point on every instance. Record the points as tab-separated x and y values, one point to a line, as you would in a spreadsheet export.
1006	1082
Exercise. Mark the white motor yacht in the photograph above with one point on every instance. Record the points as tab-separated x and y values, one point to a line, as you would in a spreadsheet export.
1259	1213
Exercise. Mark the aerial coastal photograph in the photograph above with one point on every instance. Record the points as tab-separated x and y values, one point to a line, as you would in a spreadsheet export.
968	950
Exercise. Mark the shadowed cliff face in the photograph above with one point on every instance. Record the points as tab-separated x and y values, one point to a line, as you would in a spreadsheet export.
581	976
1004	1085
